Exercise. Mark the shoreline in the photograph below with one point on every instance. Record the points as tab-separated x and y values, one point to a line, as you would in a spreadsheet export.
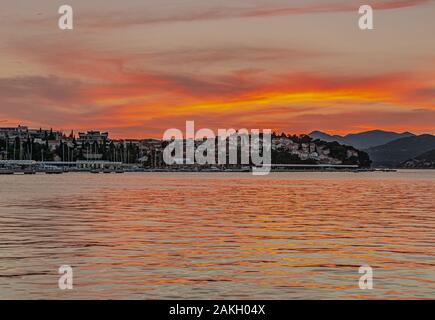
117	172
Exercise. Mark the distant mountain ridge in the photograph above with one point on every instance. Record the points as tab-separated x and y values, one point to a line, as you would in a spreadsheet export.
394	153
430	156
423	161
363	140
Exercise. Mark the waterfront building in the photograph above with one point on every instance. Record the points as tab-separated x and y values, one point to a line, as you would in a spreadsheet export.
92	137
13	132
23	132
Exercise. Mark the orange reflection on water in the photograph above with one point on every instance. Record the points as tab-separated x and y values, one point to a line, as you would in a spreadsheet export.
283	236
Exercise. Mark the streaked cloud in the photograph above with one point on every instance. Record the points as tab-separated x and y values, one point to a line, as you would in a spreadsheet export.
165	11
137	68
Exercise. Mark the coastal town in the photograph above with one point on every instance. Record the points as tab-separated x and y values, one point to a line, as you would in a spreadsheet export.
54	151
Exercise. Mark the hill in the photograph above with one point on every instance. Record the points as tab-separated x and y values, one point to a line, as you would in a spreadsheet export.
430	155
423	161
362	140
394	153
327	138
293	149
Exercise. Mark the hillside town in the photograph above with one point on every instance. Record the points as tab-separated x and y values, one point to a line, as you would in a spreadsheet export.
48	145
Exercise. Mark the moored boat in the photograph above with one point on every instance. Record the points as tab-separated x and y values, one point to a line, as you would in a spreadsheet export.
53	171
6	171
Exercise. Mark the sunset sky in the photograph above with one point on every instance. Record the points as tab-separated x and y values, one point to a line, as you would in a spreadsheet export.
139	67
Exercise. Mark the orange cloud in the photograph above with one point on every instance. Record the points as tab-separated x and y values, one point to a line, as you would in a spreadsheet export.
94	84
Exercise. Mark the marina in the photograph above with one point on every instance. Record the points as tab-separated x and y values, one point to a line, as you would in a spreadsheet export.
27	168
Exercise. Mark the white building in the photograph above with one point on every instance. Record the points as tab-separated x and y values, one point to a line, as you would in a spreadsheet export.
92	137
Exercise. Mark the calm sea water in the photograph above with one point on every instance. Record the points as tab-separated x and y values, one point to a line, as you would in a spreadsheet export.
218	235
